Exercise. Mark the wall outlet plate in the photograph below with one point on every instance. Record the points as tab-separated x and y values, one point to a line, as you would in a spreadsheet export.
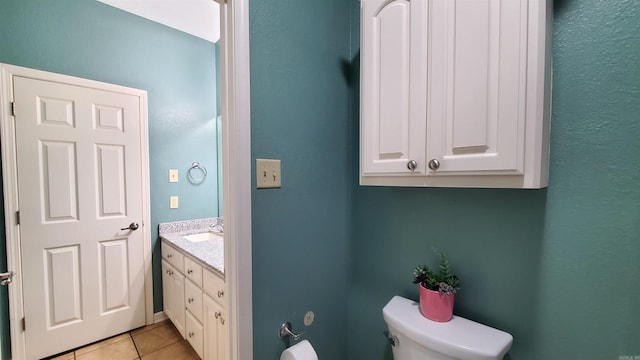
268	173
173	202
173	175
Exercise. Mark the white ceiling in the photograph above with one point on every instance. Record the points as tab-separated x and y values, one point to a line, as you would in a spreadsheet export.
200	18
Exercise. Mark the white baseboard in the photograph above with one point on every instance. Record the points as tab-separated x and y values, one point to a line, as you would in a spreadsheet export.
159	316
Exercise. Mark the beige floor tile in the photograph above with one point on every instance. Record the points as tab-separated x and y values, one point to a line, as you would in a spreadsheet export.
149	327
103	343
179	350
156	338
119	350
66	356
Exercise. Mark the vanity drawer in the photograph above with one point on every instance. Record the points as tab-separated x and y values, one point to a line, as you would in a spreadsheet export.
195	335
193	271
213	285
193	299
173	256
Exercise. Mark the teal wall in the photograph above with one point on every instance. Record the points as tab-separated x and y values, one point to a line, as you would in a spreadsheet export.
558	268
299	114
91	40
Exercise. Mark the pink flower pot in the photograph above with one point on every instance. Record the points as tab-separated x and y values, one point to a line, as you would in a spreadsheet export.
435	306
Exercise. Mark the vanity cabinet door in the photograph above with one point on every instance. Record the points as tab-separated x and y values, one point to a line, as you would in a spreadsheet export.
193	271
213	285
173	256
215	330
173	296
193	299
195	334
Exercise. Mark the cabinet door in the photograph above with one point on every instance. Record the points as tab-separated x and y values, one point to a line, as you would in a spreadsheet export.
477	86
213	285
177	294
193	299
167	298
194	334
173	296
223	333
212	311
393	86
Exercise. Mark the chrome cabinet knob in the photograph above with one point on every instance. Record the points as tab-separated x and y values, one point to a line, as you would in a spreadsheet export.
434	164
412	165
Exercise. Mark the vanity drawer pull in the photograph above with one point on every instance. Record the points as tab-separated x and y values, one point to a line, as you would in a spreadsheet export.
220	293
169	256
190	300
189	271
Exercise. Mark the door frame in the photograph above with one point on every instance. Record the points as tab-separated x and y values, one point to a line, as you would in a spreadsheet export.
10	188
236	172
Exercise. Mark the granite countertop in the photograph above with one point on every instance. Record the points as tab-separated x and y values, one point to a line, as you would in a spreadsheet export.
209	252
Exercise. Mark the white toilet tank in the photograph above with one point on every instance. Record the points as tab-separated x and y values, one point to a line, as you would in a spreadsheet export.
459	339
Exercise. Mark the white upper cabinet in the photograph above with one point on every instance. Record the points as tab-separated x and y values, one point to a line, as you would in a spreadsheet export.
455	93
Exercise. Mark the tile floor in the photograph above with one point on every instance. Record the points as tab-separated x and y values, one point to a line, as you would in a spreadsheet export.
154	342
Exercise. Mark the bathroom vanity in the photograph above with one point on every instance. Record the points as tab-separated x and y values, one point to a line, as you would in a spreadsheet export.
193	284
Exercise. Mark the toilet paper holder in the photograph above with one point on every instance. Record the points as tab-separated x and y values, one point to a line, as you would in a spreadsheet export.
285	331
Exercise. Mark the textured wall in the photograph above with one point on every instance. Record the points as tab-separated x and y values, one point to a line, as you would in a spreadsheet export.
558	268
299	114
92	40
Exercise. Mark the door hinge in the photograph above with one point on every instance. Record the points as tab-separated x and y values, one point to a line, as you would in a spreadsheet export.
17	217
6	278
13	108
24	325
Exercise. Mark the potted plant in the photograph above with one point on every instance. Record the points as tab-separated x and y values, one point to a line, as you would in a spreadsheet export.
437	290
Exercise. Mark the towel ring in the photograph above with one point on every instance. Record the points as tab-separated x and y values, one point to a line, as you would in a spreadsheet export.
194	179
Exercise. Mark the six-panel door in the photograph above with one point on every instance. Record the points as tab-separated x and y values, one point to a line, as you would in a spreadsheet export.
80	198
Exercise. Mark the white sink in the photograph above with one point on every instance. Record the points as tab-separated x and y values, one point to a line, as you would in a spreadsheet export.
202	236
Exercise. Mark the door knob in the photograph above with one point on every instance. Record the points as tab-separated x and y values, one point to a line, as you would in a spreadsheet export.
434	164
132	227
412	165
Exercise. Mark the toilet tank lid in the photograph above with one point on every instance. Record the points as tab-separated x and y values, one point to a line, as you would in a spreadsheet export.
459	338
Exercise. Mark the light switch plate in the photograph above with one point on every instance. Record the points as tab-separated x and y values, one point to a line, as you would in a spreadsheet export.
173	202
268	173
173	175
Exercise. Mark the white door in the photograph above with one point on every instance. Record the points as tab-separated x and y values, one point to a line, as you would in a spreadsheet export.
393	85
79	188
477	95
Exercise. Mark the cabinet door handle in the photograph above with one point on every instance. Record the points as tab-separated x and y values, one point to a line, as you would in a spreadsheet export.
221	319
412	165
190	300
191	334
189	271
434	164
220	293
169	256
218	314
